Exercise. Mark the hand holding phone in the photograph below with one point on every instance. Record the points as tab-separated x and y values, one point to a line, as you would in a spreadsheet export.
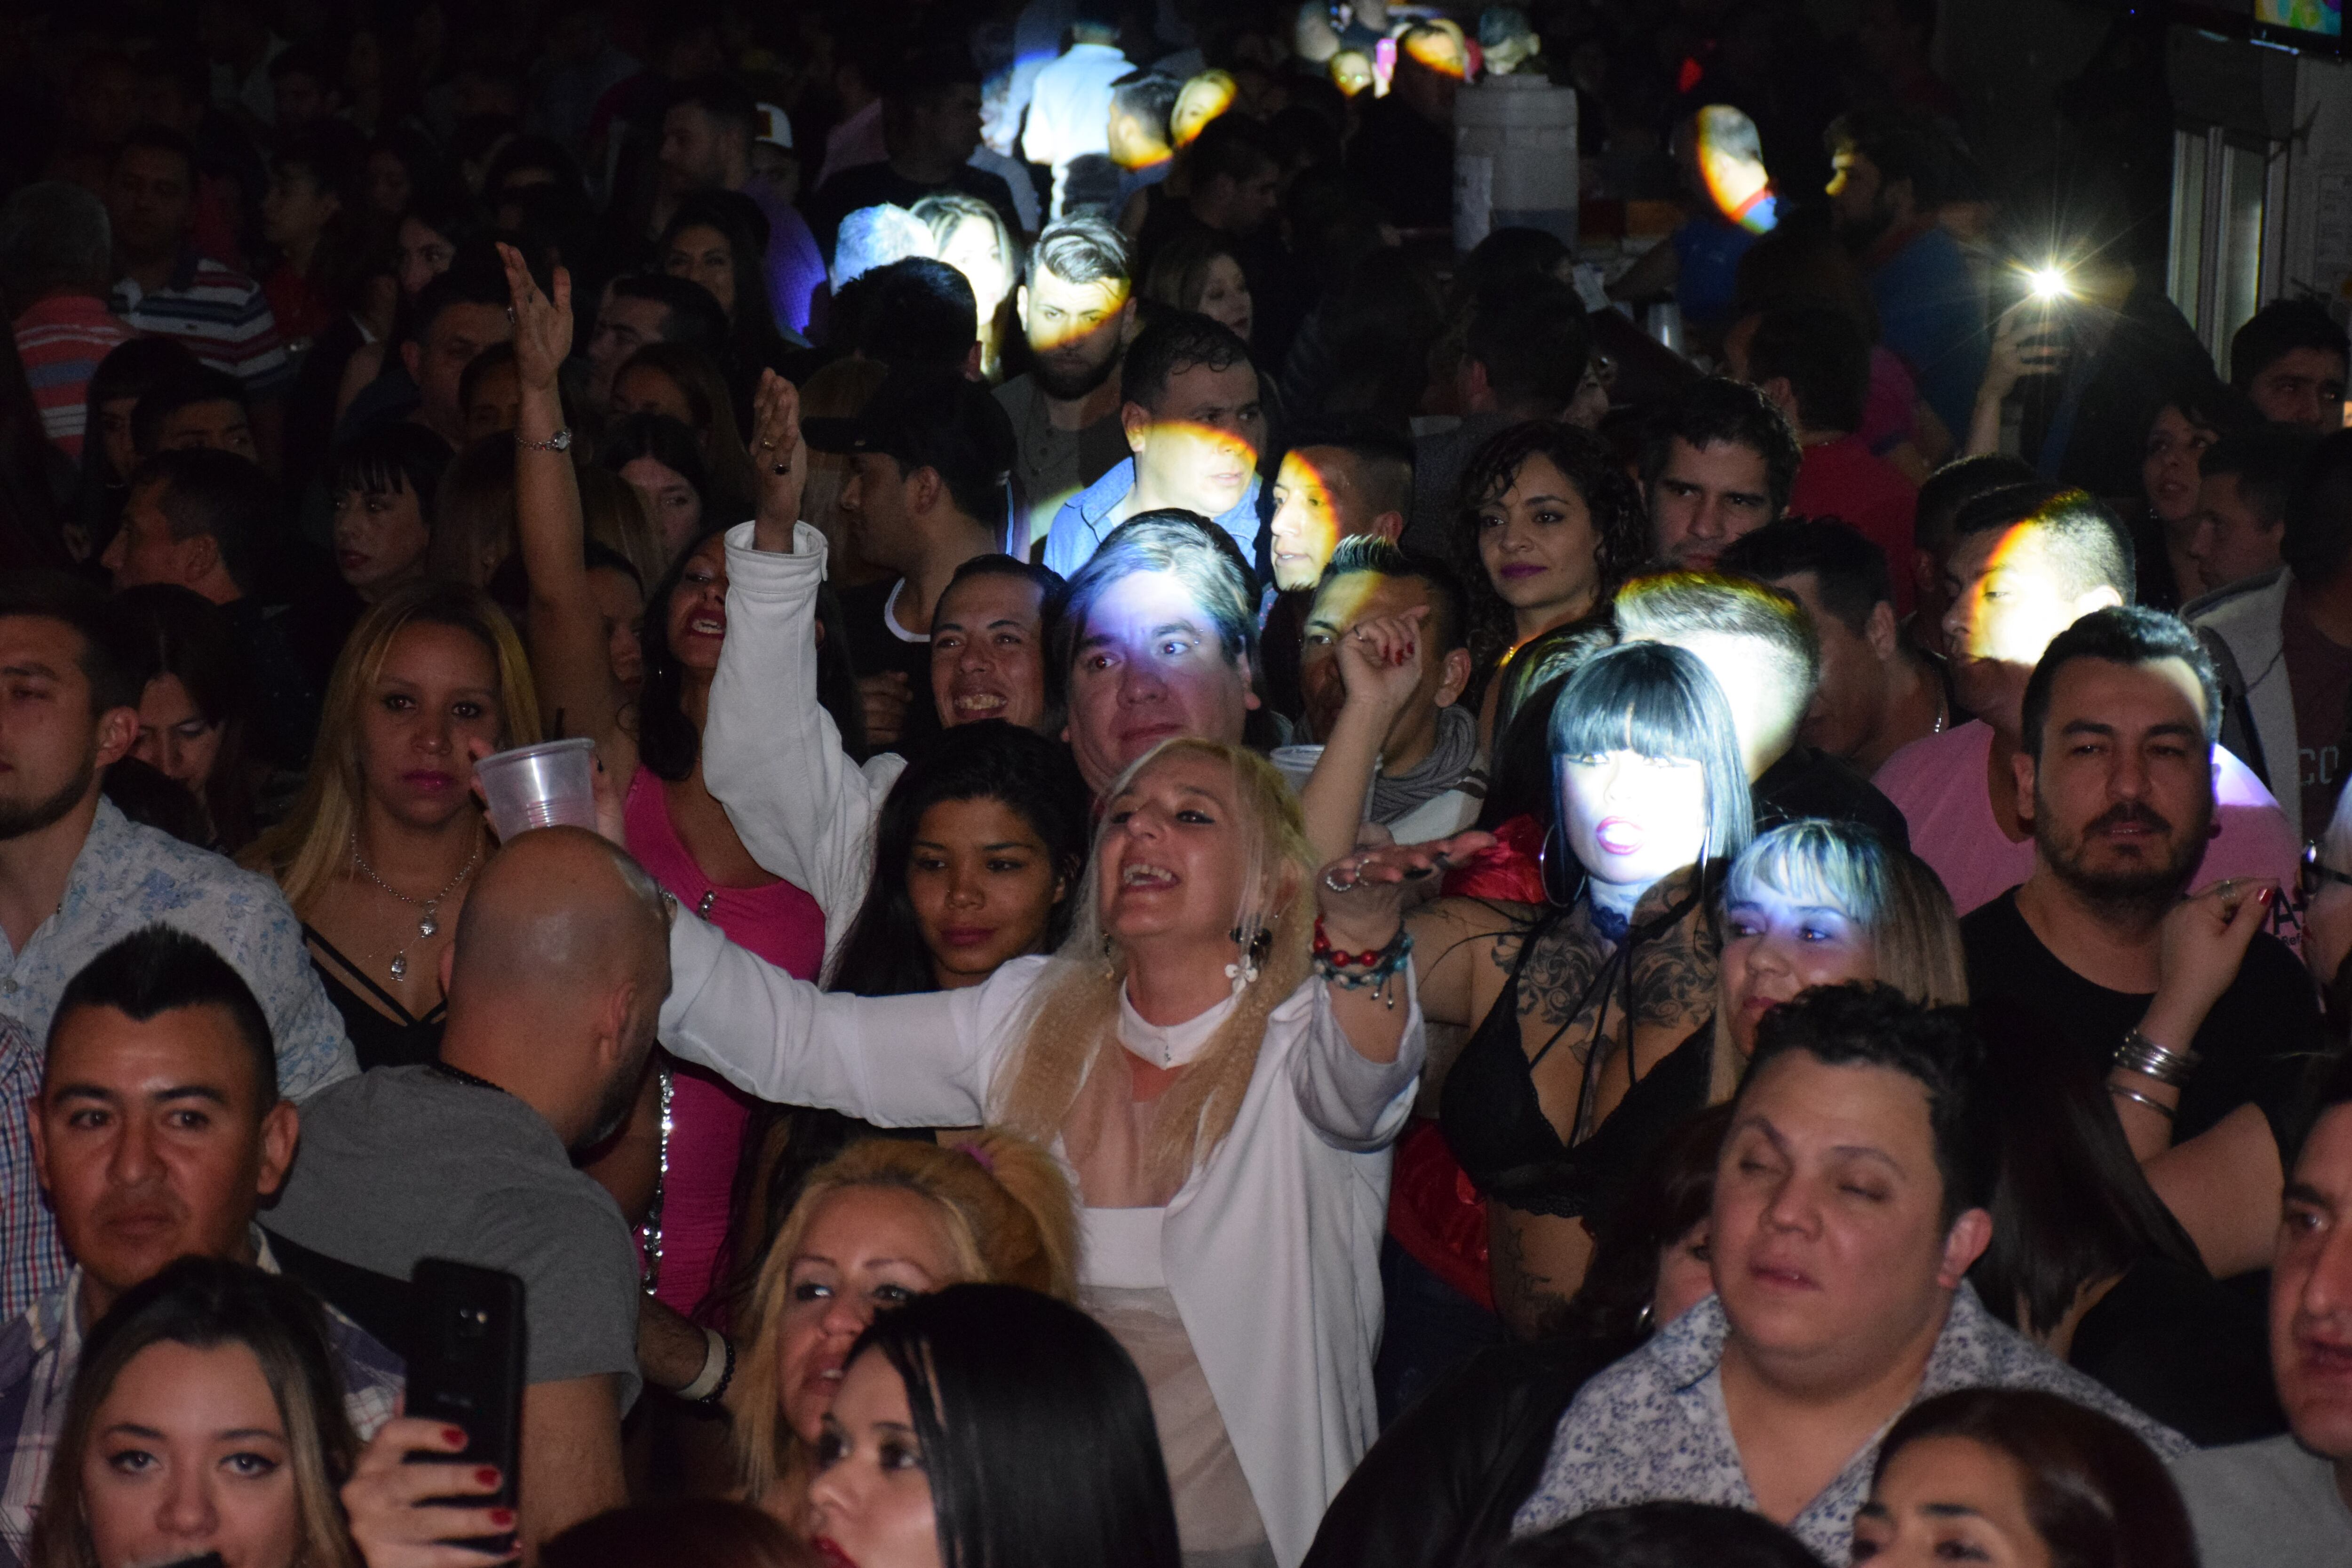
404	1502
466	1372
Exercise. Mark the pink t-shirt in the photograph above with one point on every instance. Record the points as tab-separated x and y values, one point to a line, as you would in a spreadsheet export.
1939	785
783	925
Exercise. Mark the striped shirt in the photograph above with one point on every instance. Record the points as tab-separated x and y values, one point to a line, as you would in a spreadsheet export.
61	339
221	316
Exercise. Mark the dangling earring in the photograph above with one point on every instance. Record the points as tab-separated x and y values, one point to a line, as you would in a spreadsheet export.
1543	870
1110	965
1254	951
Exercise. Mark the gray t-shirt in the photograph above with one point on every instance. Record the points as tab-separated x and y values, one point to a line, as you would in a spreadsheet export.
407	1162
2263	1505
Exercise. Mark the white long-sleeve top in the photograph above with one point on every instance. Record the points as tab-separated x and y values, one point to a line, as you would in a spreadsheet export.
772	755
1272	1246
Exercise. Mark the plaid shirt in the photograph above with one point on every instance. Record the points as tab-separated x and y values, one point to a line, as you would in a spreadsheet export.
40	1351
127	877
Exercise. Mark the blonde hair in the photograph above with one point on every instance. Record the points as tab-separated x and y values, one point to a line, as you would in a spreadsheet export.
1895	897
1010	1219
1072	1025
305	851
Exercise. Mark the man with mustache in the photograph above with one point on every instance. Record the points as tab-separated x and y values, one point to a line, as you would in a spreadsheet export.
1078	308
2025	563
2201	1023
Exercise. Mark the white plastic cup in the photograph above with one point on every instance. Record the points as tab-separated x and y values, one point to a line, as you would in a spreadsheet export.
551	784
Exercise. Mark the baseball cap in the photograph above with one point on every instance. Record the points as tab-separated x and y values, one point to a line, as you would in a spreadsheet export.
772	125
927	416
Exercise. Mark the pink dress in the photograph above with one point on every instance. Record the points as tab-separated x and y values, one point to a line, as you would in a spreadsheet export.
782	925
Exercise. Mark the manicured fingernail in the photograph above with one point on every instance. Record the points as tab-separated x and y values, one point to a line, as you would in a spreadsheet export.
502	1517
453	1435
2266	895
486	1477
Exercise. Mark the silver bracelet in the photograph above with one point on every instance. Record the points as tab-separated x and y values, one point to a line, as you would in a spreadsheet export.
2143	1055
2156	1105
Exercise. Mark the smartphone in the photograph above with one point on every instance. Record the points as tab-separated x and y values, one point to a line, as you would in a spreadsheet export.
467	1369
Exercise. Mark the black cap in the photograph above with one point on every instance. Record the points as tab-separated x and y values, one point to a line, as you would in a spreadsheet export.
926	418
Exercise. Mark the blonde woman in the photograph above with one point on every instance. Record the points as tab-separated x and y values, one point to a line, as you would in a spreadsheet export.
1220	1053
384	839
971	236
885	1221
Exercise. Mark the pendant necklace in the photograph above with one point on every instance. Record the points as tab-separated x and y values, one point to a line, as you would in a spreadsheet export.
428	923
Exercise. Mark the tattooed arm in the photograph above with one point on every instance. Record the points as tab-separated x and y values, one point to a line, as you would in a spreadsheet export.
1458	945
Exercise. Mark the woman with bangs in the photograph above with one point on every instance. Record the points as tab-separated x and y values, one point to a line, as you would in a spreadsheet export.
383	843
1220	1052
1570	1004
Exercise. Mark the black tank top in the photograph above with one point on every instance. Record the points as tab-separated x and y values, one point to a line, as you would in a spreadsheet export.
1496	1125
378	1041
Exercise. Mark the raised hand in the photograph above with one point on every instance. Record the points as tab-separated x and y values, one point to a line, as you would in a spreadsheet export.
2204	939
1381	659
780	459
542	326
1361	896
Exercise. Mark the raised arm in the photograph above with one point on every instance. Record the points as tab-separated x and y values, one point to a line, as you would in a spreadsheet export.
1380	665
771	754
569	653
923	1060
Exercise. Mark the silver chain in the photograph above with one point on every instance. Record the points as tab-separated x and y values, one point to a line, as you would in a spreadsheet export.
428	924
649	1234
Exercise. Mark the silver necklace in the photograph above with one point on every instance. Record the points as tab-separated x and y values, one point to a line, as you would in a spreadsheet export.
428	923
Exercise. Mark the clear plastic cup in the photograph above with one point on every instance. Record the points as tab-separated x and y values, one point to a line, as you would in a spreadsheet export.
1295	765
551	784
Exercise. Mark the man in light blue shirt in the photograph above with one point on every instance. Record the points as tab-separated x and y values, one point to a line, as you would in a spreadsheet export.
1194	426
76	875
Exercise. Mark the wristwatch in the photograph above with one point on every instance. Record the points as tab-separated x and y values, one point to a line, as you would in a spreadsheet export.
559	442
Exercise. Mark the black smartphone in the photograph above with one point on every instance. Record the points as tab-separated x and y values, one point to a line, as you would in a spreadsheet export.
467	1369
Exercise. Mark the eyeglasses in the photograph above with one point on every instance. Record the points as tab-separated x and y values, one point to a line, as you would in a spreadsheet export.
2316	874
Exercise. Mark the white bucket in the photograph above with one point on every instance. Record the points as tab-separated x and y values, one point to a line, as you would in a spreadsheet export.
1514	159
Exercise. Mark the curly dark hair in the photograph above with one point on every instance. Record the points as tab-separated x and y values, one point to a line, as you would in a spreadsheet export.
1621	528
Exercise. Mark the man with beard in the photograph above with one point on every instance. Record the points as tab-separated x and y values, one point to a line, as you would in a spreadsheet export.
1078	306
555	982
2203	1024
77	875
2024	563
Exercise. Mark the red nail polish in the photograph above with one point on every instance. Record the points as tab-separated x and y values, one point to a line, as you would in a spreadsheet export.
2266	895
486	1477
453	1435
503	1518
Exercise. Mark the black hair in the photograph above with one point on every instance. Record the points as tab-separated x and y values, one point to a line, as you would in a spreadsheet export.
1512	252
884	955
1869	1025
218	493
1661	702
499	356
1519	773
734	215
54	234
108	660
1079	249
176	631
1035	1428
158	969
474	277
1901	143
928	71
153	138
2266	460
197	383
1714	409
1659	1535
533	153
1849	569
1232	145
1534	341
722	98
1383	458
2318	538
2095	1493
1174	344
2120	633
1824	356
1368	552
1147	97
2070	1207
918	310
1044	579
1621	528
2079	536
391	457
665	441
1956	484
1657	1202
2204	400
443	204
2277	330
667	741
695	318
153	798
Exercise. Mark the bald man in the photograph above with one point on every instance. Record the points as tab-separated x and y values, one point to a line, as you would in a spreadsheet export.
555	982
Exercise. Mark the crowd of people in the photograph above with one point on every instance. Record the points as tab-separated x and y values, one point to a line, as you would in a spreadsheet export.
1264	894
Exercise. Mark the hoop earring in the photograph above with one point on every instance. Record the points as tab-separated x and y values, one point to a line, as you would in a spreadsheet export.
1543	870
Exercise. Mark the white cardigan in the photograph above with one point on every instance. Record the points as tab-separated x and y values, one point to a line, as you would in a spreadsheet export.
1272	1248
772	755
